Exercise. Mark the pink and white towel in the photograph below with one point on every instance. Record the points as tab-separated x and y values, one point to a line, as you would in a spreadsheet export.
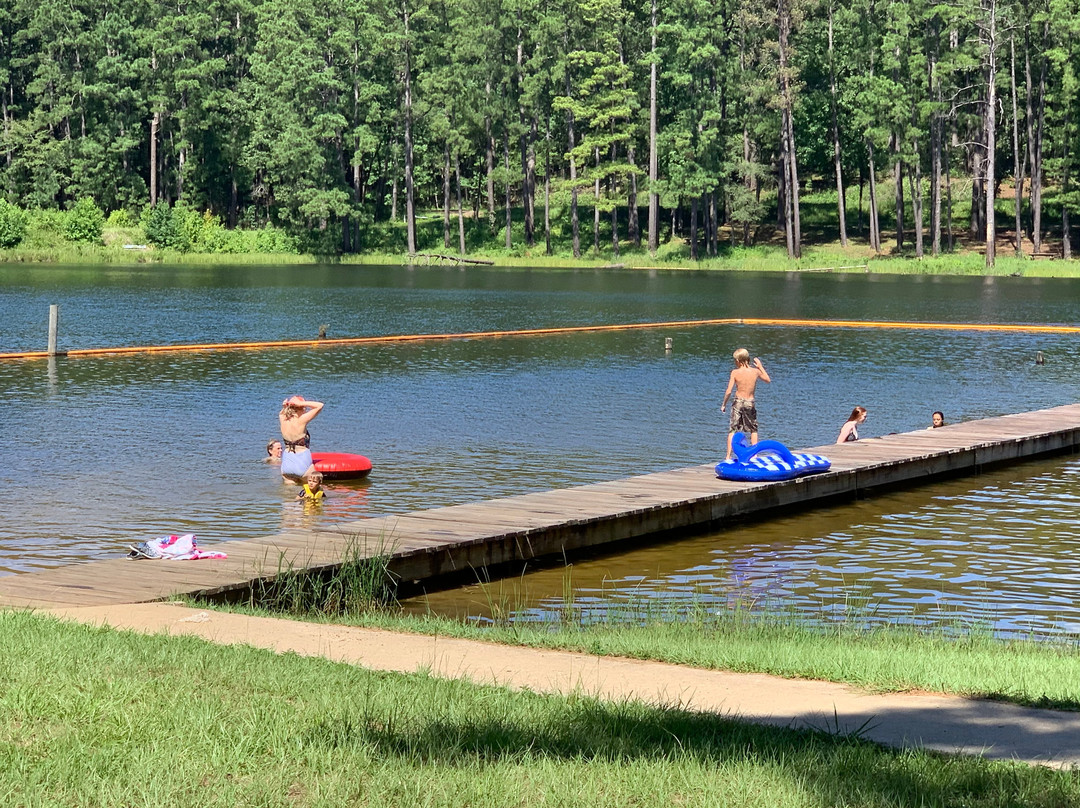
173	548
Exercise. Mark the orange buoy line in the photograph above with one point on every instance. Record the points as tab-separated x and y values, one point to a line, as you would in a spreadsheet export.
532	332
319	343
1005	327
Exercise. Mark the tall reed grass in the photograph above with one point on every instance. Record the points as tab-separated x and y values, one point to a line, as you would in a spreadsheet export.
360	583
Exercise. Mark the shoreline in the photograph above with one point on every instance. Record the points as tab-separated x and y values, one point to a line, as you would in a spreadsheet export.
821	260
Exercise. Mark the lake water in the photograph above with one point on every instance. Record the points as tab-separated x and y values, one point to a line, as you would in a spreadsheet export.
112	450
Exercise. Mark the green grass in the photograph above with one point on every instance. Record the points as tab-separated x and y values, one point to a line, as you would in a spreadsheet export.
361	584
963	660
384	243
957	657
95	717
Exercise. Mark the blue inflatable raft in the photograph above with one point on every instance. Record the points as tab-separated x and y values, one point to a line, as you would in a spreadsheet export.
766	461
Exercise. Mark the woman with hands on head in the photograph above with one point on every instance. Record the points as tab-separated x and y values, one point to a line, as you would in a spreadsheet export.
295	415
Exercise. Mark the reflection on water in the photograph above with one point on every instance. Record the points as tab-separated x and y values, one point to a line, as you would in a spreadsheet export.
109	451
998	550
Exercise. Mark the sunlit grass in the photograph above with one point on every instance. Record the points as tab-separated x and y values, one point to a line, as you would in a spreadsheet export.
95	717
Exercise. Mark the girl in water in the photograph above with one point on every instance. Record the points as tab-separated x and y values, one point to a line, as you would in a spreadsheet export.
850	430
296	413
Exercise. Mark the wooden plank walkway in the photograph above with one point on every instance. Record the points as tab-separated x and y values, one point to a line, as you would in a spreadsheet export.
456	539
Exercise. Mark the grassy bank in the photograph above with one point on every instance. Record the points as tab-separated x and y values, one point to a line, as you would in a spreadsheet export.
97	717
959	658
675	257
969	663
384	243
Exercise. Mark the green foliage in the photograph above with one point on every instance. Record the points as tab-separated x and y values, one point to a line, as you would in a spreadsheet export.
120	218
84	222
186	230
13	221
294	114
159	225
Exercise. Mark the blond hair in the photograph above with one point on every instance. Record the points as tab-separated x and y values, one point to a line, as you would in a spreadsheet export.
741	356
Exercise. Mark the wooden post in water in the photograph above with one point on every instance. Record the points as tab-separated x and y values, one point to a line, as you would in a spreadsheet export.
54	320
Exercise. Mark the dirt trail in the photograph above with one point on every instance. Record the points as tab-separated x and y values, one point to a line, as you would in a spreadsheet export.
942	723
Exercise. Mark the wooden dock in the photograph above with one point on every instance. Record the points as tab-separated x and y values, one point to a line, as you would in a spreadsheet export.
463	539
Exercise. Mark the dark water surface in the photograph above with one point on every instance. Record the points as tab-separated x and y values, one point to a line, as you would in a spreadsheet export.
112	450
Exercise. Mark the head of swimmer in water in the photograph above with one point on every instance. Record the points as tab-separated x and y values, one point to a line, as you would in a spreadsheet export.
313	479
273	449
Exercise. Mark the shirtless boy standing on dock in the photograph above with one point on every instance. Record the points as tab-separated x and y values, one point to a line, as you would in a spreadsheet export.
743	381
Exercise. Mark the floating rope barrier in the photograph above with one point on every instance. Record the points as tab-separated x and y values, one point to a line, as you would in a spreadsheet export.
536	332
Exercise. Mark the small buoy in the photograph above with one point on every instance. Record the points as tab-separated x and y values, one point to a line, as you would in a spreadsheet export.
1039	359
667	344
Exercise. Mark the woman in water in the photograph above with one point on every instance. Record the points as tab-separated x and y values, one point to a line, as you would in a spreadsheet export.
850	430
296	413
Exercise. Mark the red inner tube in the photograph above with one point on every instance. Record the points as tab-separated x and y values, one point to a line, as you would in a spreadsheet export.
341	465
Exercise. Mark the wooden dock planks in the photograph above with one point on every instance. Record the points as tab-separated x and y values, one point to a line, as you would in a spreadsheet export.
430	543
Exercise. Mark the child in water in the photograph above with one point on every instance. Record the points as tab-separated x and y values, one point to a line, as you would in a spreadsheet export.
312	490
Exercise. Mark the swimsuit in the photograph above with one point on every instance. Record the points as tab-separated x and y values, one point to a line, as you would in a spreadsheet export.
852	435
295	464
743	415
296	456
292	445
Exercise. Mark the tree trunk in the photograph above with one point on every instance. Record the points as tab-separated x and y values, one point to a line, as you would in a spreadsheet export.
654	198
509	213
793	227
976	225
935	143
490	153
836	137
394	193
528	133
782	207
915	180
547	213
632	225
614	208
446	196
530	182
693	228
935	183
460	212
1066	237
410	190
575	221
1018	162
155	123
875	228
898	180
991	134
948	199
1037	161
751	182
596	202
547	186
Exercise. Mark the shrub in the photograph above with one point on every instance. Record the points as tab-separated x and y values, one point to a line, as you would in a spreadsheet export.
159	225
84	222
274	240
120	218
13	221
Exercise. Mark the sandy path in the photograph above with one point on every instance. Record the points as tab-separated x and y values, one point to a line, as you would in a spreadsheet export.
943	723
